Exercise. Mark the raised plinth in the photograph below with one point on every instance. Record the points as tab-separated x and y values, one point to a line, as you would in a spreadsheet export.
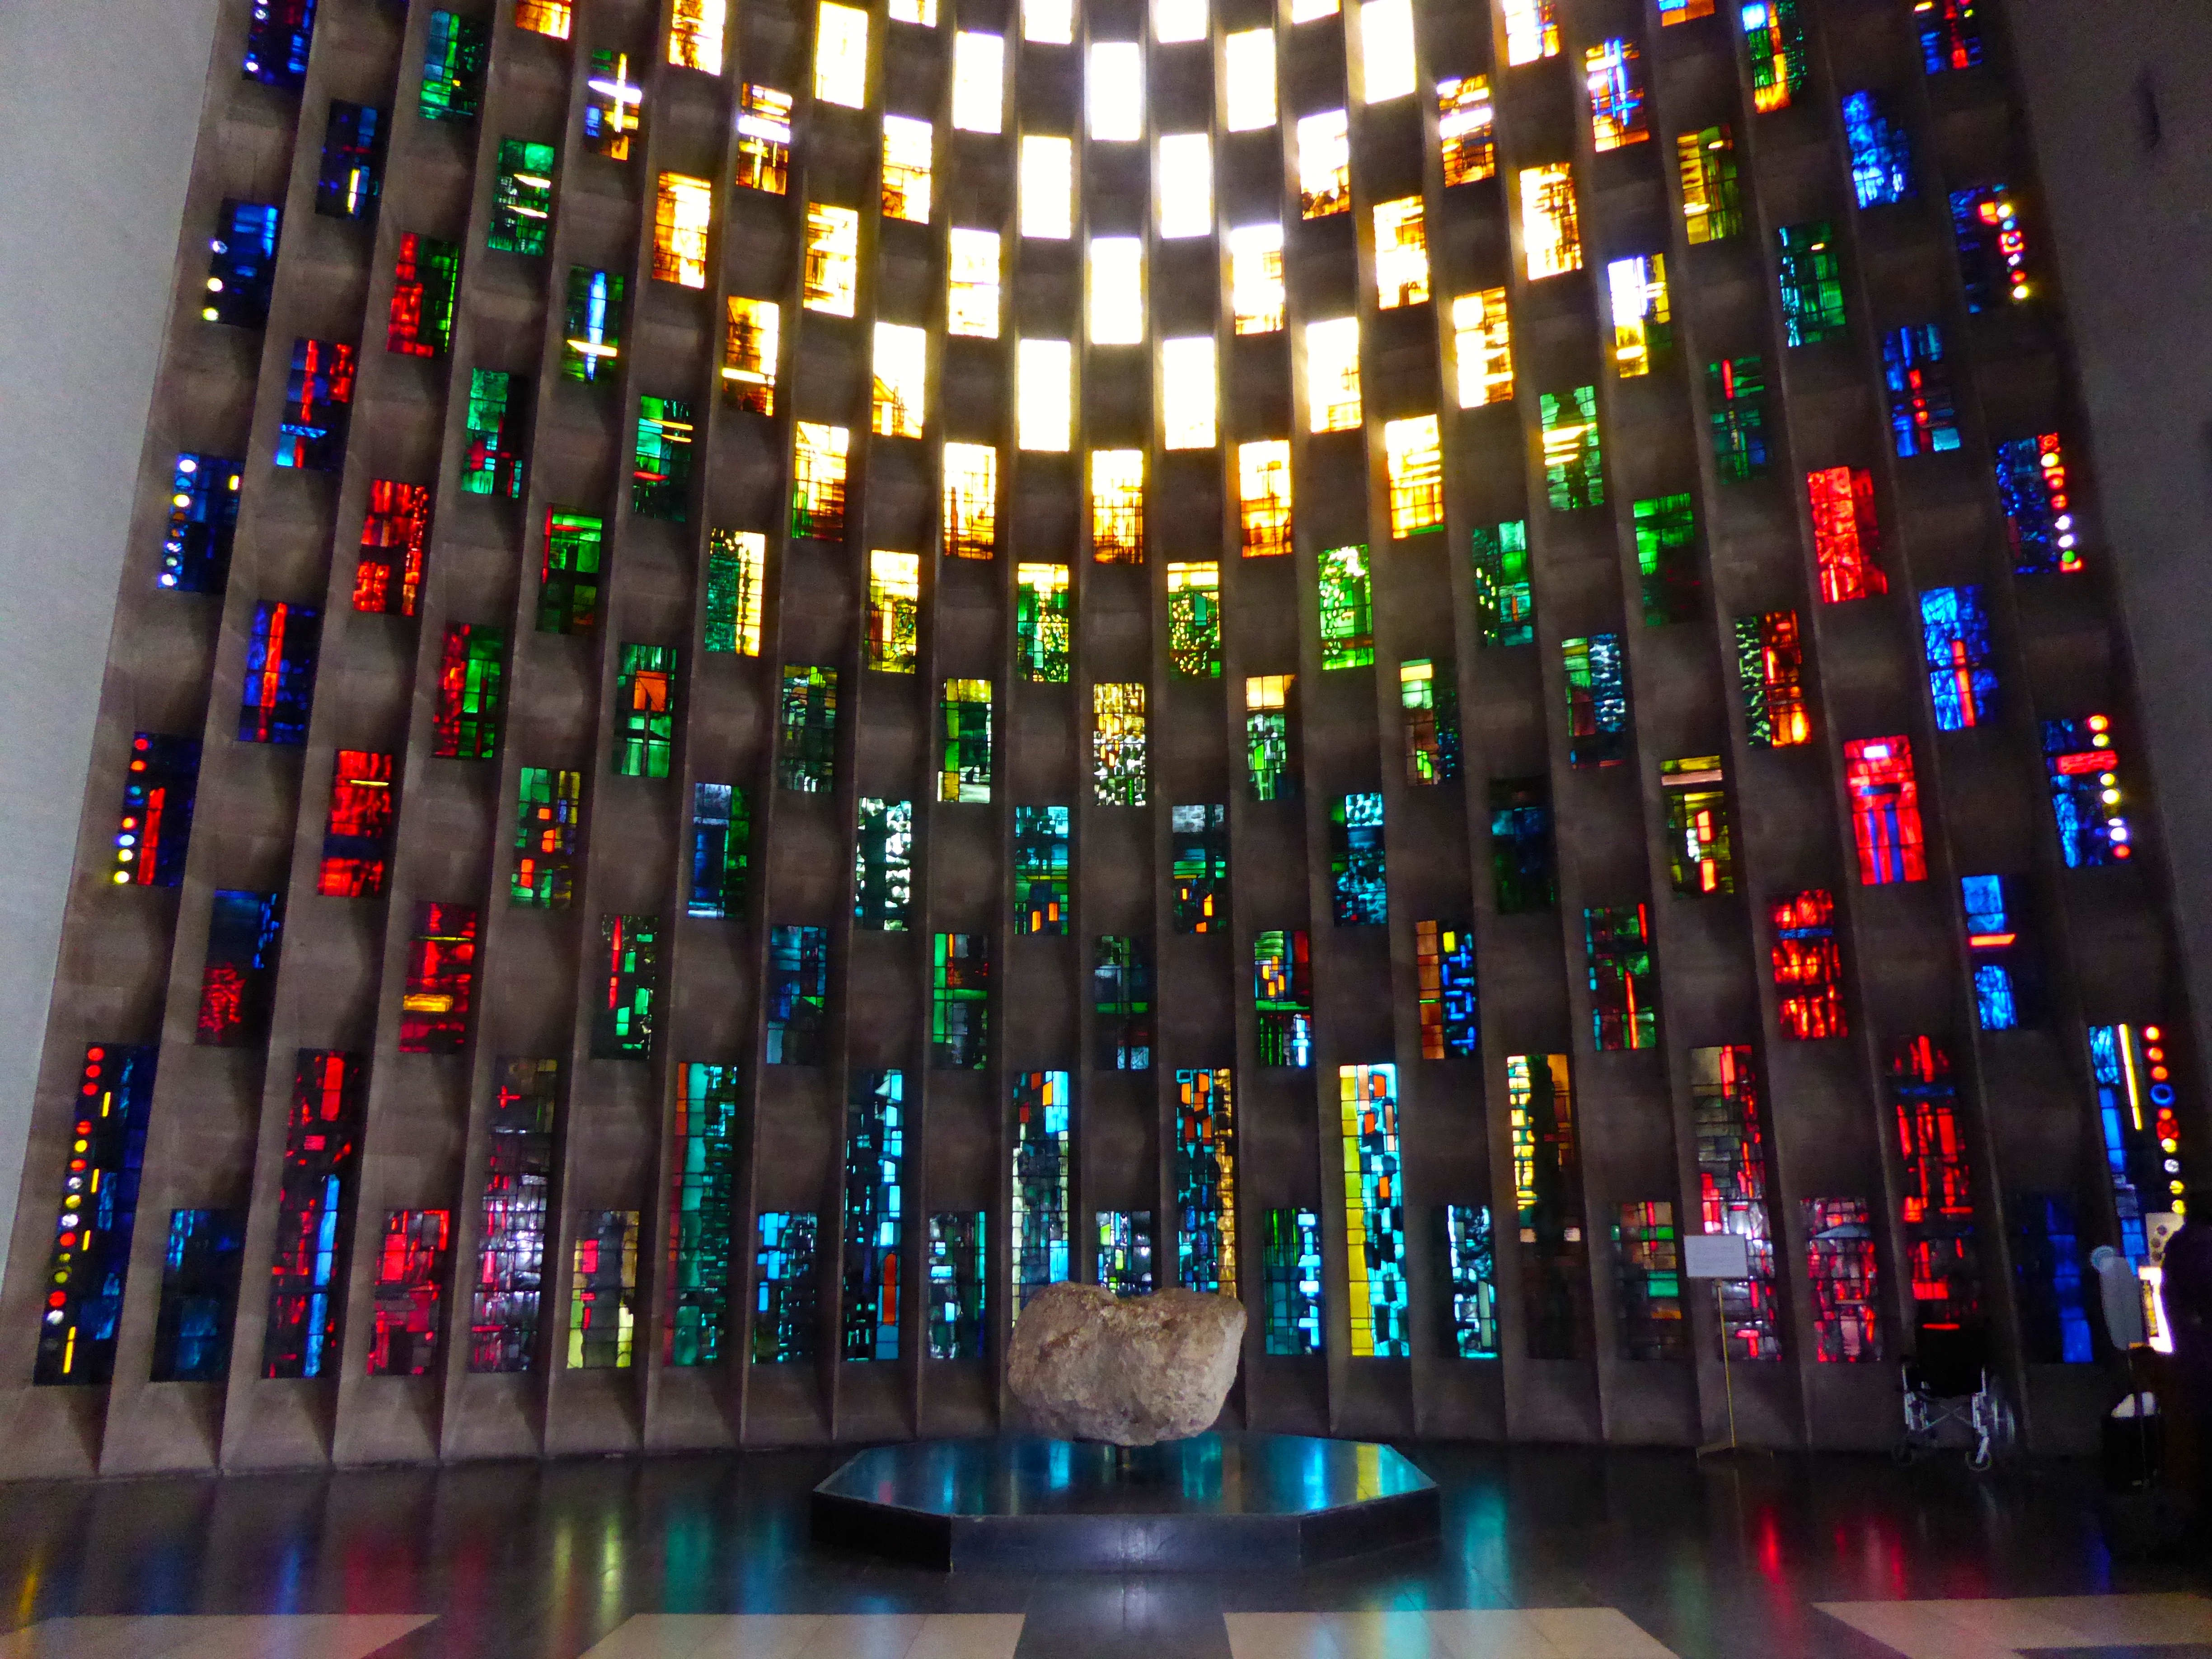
1213	1503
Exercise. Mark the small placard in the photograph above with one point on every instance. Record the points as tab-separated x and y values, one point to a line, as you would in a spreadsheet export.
1716	1255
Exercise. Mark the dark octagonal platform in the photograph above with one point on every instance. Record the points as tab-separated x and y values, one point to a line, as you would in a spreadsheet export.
1213	1502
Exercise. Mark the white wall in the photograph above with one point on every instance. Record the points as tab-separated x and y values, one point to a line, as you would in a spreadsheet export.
2135	223
99	106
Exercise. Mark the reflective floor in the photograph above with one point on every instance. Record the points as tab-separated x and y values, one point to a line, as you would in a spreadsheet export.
1547	1553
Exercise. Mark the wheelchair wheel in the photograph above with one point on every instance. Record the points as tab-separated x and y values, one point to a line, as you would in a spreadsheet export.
1996	1429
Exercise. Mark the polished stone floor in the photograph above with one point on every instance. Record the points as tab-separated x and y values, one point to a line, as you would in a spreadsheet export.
1547	1553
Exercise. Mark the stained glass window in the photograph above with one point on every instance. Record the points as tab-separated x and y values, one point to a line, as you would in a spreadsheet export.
1356	860
1808	965
1547	1186
702	1209
1291	1260
90	1259
625	1009
1042	1149
1732	1176
1444	962
1205	1181
1624	979
1122	1003
874	1301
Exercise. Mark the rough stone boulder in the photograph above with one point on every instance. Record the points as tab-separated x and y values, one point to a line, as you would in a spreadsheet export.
1091	1365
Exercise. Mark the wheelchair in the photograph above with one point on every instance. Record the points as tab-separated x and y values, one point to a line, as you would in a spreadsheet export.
1954	1399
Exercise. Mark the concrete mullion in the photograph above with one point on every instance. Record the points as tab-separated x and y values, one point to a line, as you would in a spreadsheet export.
249	1439
934	815
734	1386
1450	1397
62	1427
1319	789
1377	1396
597	1089
1003	1062
1477	683
1784	1191
1263	1401
1816	1392
458	1392
756	1419
2067	1001
1993	1249
914	1239
1850	901
1627	1391
365	1426
1713	1379
1523	1392
702	1411
871	265
1754	890
134	1429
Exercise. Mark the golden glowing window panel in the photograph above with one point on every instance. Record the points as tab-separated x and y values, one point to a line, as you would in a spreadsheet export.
1712	202
749	355
1117	290
979	71
1467	126
840	56
901	371
764	140
737	564
972	299
1049	22
1532	30
1045	394
554	17
1312	11
1386	50
1188	393
1248	80
1117	506
1613	72
923	12
695	34
894	611
1182	184
1482	338
614	109
1550	236
1256	293
1637	287
1333	375
833	259
971	501
818	480
1263	496
1113	91
1401	254
1117	743
1412	454
1324	165
1175	21
908	145
683	209
1047	187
